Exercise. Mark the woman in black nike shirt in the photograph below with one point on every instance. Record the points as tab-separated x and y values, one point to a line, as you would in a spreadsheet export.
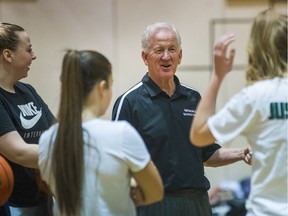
24	116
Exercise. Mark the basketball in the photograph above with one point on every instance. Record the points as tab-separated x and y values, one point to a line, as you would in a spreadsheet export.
6	180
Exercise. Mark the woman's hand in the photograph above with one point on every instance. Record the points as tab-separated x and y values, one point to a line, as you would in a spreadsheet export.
136	193
223	63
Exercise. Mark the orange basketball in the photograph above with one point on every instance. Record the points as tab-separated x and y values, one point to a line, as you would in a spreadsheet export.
6	180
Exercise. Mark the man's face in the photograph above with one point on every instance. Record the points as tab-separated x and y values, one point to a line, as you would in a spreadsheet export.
163	56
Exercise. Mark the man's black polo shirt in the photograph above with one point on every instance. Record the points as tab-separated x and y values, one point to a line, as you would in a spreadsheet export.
164	123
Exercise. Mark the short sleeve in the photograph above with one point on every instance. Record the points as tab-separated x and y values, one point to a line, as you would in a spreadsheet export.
208	151
236	117
134	150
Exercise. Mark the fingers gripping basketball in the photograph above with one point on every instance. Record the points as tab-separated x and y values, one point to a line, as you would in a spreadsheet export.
6	180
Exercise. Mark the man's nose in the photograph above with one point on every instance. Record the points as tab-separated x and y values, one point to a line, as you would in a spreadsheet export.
166	55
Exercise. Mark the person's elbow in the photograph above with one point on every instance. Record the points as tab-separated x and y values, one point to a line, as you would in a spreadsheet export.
155	192
150	183
18	157
21	158
201	137
160	195
156	195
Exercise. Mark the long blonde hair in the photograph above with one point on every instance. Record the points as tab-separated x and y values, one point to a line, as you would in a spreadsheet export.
267	47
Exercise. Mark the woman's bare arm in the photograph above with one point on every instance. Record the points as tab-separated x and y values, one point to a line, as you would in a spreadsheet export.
15	149
149	187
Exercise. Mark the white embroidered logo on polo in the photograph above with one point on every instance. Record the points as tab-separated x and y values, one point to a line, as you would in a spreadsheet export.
189	112
29	115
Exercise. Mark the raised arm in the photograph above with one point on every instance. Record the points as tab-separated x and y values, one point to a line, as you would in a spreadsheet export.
149	186
13	147
200	134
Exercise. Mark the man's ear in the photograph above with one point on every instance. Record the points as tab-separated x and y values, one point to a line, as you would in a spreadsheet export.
144	57
7	54
180	57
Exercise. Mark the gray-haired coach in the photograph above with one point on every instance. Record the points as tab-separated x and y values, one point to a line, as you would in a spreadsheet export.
161	109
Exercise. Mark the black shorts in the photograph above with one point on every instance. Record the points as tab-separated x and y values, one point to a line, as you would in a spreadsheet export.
179	203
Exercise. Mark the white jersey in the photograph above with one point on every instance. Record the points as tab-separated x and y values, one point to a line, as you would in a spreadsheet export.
112	150
260	113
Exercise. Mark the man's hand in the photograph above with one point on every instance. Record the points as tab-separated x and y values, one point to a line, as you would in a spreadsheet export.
247	155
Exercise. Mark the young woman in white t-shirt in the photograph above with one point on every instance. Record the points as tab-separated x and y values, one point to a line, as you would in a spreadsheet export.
86	161
258	112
